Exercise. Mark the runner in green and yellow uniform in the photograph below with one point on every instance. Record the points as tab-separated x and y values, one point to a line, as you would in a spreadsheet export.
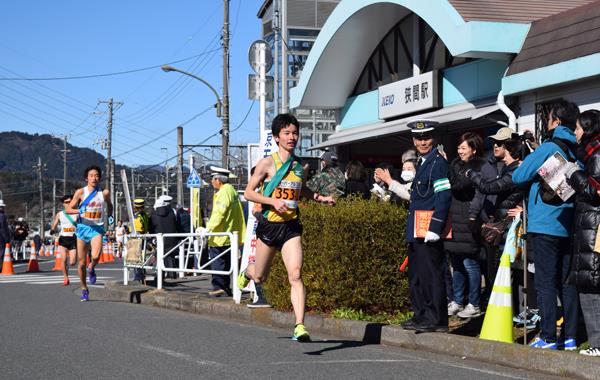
279	227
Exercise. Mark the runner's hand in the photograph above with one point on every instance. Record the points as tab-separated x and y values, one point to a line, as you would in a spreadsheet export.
279	205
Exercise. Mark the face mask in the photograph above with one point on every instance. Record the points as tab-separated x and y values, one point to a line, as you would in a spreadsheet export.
407	175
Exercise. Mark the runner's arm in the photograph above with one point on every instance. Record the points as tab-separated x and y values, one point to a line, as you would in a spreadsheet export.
256	180
54	222
72	207
109	205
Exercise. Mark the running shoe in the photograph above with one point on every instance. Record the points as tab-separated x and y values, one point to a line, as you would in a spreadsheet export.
541	343
92	278
66	282
300	333
85	295
242	280
592	351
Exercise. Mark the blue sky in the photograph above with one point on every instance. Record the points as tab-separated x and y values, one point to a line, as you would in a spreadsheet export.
49	39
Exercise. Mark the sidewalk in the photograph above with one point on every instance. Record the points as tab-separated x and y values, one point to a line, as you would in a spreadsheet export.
190	295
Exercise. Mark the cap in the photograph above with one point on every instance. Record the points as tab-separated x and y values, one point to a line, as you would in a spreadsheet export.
502	134
139	202
329	157
2	204
166	198
215	170
422	126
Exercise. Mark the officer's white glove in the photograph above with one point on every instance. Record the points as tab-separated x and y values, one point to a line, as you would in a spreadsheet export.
431	237
202	232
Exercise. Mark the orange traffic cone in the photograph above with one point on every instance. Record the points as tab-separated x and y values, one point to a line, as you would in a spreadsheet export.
41	251
7	266
56	248
110	257
58	263
33	262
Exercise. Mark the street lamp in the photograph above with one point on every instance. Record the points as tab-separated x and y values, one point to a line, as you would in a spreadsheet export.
219	106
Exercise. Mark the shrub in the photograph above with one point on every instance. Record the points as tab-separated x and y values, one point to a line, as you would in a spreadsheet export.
352	252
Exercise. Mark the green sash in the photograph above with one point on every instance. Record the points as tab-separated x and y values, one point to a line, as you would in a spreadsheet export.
276	180
70	219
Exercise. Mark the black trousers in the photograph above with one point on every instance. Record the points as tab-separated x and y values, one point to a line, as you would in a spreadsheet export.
427	283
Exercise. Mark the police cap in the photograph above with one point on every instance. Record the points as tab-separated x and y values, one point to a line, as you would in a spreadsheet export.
419	127
138	202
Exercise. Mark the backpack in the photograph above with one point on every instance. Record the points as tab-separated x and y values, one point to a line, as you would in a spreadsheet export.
548	195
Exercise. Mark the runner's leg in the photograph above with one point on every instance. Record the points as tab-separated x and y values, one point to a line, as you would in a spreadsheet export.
262	265
81	257
64	255
96	248
292	258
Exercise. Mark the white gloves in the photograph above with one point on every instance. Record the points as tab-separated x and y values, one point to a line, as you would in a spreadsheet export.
202	232
431	237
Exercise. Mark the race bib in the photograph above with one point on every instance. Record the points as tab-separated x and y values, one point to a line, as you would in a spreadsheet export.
289	192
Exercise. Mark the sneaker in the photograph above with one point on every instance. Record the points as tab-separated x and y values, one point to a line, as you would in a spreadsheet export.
85	295
520	319
66	282
217	293
454	308
570	345
592	351
92	276
470	311
300	333
242	280
533	321
541	343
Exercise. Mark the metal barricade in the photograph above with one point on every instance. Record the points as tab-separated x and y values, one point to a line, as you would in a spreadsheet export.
190	245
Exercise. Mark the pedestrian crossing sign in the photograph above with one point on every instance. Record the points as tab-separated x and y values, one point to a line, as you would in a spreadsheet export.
193	179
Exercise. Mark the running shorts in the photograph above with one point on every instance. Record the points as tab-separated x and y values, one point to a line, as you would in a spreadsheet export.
69	242
87	233
275	234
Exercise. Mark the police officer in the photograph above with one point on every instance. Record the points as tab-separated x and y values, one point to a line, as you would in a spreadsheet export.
430	191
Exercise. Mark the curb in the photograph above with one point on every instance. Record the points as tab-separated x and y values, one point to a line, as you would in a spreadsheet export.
511	355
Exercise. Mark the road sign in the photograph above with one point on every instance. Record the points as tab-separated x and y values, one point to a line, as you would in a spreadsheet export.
254	87
255	56
193	179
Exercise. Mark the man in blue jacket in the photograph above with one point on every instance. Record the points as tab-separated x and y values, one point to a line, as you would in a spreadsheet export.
549	226
430	192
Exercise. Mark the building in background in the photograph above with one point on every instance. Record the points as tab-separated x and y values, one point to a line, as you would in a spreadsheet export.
380	64
291	28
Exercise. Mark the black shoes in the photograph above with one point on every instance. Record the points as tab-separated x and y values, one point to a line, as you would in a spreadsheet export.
409	324
423	328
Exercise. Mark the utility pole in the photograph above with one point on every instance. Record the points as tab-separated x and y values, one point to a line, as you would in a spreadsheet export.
276	68
109	164
65	151
225	152
284	56
39	167
132	185
179	165
53	197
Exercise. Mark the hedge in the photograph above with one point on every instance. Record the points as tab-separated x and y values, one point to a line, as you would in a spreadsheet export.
352	252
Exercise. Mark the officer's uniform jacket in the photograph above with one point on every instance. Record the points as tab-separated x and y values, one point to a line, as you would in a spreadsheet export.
430	191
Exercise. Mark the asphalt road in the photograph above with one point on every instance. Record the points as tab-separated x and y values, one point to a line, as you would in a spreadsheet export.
47	333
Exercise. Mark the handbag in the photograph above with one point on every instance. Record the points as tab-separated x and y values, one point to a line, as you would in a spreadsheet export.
492	231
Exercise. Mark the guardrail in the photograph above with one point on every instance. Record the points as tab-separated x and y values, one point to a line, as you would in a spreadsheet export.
189	246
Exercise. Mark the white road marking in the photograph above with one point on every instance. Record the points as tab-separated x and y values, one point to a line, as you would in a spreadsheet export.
179	355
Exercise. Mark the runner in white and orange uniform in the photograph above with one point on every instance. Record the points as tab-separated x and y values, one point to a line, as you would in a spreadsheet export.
120	231
66	237
90	228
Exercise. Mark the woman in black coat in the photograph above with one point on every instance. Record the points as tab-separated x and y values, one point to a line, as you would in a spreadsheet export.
464	247
585	267
355	180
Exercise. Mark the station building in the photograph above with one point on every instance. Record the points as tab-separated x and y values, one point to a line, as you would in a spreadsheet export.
470	65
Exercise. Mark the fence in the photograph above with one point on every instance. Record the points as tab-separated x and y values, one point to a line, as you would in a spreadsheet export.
189	247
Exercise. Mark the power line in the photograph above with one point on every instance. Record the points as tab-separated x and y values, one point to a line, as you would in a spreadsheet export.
106	74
